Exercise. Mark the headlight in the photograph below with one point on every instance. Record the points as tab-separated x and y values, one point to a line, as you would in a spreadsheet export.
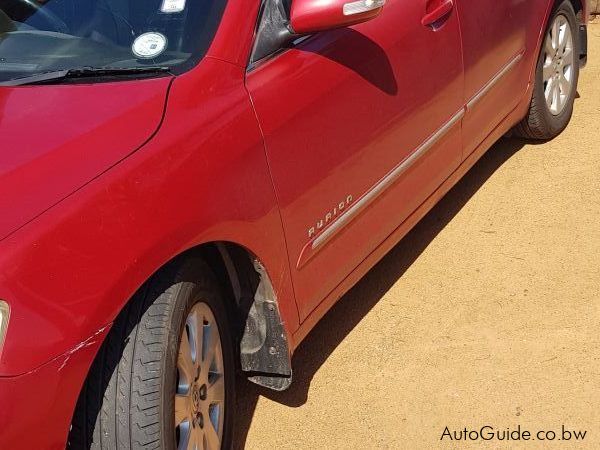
4	313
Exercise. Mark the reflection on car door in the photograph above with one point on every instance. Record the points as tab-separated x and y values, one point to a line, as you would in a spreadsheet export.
499	40
361	125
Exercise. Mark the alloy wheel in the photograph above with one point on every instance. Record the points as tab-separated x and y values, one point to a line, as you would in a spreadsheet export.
200	390
559	70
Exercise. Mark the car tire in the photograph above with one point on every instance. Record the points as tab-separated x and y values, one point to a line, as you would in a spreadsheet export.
552	103
139	381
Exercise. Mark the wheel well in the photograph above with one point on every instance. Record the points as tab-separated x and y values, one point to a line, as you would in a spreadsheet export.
258	330
581	10
264	351
578	7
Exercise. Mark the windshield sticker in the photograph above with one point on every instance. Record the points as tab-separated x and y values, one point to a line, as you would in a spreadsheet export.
172	6
149	45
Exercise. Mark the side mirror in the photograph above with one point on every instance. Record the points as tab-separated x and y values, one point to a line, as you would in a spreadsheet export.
310	16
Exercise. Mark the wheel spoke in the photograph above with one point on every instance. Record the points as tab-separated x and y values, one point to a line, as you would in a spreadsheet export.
548	71
195	322
562	98
568	57
549	91
192	443
185	432
556	97
182	408
565	40
216	390
550	94
556	35
184	361
565	85
549	46
212	437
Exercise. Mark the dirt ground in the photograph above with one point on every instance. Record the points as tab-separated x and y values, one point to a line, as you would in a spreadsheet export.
487	313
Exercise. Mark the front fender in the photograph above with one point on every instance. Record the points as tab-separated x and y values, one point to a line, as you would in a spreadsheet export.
202	178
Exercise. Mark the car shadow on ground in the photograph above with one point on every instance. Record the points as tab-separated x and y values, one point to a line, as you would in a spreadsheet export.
351	308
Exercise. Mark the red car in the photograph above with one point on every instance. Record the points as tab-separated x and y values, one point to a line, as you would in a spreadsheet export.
187	187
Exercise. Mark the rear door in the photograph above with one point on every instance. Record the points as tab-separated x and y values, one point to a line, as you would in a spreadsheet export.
500	46
361	124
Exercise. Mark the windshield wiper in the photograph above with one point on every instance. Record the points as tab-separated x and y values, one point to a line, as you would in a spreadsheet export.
84	72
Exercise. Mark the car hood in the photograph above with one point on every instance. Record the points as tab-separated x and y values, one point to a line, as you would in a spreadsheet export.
56	138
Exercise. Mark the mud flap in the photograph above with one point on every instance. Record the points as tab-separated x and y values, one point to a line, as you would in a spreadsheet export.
583	45
264	350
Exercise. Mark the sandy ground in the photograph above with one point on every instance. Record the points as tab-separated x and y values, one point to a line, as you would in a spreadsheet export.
487	313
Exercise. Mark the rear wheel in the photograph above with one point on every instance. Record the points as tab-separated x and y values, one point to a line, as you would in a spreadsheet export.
164	378
557	74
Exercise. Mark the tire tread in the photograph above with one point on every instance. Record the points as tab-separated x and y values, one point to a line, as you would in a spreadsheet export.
120	406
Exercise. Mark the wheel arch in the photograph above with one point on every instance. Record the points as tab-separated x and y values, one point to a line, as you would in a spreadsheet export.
580	9
261	338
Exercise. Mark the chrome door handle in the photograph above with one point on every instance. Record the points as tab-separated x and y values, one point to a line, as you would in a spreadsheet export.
430	19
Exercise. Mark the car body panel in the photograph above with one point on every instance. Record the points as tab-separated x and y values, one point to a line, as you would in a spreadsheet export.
404	228
53	388
469	160
137	216
234	37
494	35
57	138
341	111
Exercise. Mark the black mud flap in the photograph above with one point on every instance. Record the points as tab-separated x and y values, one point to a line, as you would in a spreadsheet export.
583	45
264	350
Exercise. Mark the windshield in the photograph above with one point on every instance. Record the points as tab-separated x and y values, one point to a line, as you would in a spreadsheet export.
38	36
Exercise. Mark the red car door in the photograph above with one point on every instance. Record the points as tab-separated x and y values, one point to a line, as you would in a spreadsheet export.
361	124
499	40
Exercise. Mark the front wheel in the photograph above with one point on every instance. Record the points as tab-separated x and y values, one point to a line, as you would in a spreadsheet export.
557	74
164	378
200	408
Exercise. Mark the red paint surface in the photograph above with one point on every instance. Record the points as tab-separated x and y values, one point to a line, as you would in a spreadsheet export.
489	44
57	138
358	102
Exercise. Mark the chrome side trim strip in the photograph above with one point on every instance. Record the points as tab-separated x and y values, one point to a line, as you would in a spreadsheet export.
384	183
490	84
390	178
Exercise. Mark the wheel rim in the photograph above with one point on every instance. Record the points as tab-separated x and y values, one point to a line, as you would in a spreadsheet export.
200	390
559	61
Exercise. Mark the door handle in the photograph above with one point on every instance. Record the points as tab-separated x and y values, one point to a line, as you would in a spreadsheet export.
439	13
